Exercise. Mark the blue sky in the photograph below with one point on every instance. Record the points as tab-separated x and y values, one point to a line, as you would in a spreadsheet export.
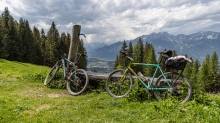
117	20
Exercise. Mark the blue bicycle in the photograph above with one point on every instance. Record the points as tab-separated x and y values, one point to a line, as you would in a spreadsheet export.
77	79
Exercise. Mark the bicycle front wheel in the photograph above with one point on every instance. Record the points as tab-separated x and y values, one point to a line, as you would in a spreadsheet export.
182	89
77	82
119	84
50	76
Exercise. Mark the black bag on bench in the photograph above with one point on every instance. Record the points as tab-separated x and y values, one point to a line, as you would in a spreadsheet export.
178	63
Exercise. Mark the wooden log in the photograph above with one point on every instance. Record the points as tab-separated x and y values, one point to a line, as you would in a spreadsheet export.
96	78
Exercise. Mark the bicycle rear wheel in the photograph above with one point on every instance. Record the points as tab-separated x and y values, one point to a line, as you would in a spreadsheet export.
119	84
182	89
77	82
50	76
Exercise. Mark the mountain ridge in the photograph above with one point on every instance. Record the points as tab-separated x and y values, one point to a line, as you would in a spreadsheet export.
196	45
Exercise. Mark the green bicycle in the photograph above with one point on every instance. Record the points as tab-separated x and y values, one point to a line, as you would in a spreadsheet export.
171	85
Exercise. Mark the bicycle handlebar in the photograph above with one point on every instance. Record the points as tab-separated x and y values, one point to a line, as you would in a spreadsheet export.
82	54
64	54
123	52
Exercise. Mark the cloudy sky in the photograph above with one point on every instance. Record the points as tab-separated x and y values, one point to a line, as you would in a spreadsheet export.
117	20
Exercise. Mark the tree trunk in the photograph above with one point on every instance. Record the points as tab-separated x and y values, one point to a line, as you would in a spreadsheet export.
74	43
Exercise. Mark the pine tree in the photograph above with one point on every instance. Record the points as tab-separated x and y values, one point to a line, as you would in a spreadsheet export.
213	70
195	69
137	57
37	45
130	50
146	52
116	62
30	44
203	75
146	58
12	48
26	42
22	43
122	60
140	42
187	70
129	53
5	33
149	58
2	44
152	59
43	46
64	43
67	42
174	53
82	63
52	43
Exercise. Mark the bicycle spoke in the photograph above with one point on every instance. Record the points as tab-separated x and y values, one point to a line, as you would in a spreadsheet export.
181	91
51	75
118	85
77	82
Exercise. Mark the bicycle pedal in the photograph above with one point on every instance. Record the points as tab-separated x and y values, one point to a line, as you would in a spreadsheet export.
148	92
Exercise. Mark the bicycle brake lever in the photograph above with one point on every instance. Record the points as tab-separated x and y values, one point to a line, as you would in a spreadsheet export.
123	52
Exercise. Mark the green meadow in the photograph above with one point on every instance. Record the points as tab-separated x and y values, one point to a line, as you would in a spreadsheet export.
24	98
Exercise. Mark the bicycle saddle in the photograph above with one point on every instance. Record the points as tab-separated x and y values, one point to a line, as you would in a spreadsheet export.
166	54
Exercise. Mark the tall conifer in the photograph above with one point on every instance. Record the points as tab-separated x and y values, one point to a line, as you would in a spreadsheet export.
130	50
140	42
213	66
43	46
195	69
37	45
116	64
203	75
51	45
5	33
121	58
137	57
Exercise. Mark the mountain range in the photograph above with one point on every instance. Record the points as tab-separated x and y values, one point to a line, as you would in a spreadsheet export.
196	45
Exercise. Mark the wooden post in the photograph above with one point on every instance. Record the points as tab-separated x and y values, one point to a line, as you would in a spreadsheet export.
74	43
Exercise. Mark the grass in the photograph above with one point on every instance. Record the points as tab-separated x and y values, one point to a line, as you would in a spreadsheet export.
24	98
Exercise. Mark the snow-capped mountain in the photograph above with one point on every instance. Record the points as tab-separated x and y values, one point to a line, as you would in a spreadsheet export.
196	45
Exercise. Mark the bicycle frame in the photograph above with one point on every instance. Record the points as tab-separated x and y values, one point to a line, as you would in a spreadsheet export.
149	86
64	61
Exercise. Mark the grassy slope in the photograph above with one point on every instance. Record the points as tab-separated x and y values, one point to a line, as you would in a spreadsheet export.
24	98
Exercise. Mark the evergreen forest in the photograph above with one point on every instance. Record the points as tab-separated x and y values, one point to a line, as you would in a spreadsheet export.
20	42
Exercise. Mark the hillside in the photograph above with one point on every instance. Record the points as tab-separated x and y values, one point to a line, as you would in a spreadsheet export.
24	98
196	45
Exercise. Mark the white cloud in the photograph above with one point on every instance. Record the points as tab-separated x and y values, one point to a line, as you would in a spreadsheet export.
41	24
118	20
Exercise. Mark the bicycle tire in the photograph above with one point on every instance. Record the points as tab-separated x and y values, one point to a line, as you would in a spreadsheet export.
182	88
50	76
77	85
117	88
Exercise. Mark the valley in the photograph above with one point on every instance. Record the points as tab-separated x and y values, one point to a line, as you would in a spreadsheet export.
101	66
